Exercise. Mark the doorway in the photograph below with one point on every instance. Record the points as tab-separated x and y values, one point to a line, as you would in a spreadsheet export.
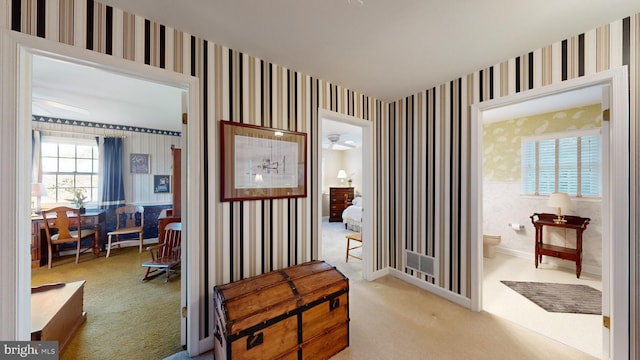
16	79
615	203
341	186
365	175
508	207
70	112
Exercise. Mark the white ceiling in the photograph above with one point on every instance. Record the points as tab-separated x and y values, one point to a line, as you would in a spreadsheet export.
385	49
66	90
348	136
382	48
565	100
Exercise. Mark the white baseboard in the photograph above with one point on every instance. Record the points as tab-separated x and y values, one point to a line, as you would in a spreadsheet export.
377	274
455	298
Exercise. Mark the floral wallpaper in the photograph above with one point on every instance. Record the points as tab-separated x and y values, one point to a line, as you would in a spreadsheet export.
502	140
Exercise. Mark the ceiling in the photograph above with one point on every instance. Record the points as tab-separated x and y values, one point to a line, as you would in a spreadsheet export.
385	49
561	101
337	135
71	91
382	48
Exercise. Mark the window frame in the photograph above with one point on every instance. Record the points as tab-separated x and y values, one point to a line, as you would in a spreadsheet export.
557	136
60	200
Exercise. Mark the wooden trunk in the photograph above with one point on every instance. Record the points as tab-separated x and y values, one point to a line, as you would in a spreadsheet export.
301	312
57	312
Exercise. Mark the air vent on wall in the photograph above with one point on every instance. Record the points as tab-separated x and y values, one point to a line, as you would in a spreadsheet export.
422	263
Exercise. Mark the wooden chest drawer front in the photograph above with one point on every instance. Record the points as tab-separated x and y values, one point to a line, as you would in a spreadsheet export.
87	220
322	317
339	199
327	345
269	342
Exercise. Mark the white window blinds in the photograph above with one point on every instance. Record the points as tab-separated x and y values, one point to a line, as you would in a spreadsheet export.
567	162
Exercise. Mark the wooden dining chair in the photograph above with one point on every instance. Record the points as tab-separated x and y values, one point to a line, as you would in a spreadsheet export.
129	220
68	222
166	256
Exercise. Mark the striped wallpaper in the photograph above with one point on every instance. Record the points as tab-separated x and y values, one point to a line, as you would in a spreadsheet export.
247	237
425	178
422	141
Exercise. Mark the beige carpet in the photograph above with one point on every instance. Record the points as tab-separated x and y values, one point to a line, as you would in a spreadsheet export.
126	318
391	319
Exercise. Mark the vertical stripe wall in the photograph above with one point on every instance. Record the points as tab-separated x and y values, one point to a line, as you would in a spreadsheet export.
244	238
422	141
427	137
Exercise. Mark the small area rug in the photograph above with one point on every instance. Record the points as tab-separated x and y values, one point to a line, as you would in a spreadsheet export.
563	298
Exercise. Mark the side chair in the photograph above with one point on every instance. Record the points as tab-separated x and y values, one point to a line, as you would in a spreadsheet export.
68	222
129	220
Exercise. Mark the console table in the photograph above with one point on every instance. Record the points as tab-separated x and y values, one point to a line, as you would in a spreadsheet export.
39	256
579	224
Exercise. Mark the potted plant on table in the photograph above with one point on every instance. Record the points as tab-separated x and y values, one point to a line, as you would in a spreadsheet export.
78	199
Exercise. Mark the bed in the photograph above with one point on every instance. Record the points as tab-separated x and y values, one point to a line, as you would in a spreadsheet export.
352	215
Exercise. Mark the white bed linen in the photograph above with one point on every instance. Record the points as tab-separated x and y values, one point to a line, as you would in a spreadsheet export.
352	215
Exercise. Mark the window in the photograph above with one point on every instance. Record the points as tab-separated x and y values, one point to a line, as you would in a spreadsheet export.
69	165
567	162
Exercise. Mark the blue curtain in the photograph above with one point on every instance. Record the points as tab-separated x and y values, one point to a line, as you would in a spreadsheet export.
112	185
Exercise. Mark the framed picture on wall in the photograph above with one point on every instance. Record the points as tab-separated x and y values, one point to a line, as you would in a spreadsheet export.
161	183
262	163
139	163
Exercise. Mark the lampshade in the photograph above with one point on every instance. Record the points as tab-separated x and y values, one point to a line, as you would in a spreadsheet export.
38	189
342	174
559	200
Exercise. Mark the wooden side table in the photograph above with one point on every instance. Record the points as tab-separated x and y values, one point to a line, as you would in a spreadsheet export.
579	224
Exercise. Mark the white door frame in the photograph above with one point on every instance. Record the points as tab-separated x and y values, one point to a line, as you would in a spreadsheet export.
616	265
367	184
15	112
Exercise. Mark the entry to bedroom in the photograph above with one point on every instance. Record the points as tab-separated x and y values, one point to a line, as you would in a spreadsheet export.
342	192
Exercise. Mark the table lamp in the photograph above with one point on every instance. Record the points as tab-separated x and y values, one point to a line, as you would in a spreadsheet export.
38	190
559	200
342	175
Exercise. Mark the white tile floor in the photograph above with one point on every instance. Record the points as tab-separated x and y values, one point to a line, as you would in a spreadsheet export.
583	332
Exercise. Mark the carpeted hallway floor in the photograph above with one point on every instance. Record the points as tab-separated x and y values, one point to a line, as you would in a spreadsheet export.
391	319
126	318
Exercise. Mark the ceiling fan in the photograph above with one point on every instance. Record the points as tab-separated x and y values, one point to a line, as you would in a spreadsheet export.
336	144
